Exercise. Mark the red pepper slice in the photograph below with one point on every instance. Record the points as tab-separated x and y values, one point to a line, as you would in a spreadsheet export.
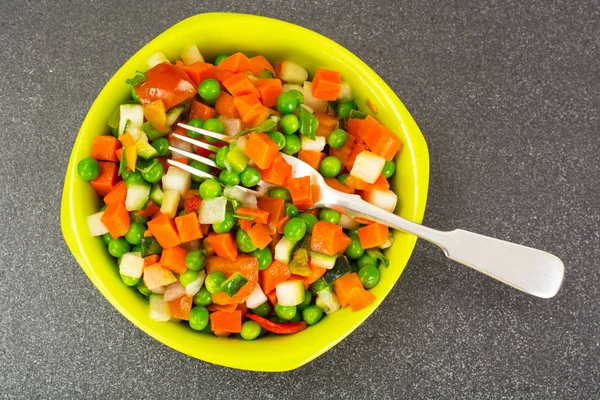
168	83
284	328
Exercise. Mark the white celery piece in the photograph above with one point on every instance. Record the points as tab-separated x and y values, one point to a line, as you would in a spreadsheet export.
170	202
95	225
290	293
157	58
191	54
345	93
212	211
314	145
292	72
176	179
134	113
385	199
367	166
132	265
194	287
318	105
159	308
137	196
256	298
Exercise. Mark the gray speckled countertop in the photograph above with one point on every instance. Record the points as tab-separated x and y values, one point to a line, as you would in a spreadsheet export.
508	98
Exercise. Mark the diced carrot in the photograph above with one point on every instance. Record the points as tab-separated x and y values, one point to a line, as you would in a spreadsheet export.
156	114
356	150
199	71
148	233
383	142
222	307
224	245
221	74
281	224
359	184
344	284
337	185
107	179
273	275
245	265
343	153
188	227
156	276
119	153
202	111
225	105
262	116
237	62
117	194
314	275
151	260
245	225
248	106
373	235
278	173
104	148
301	192
180	159
116	219
173	258
163	229
363	221
277	68
223	321
219	333
258	63
276	237
353	127
367	127
323	239
239	85
180	308
261	149
260	216
269	90
311	157
150	210
275	209
259	236
326	84
313	212
343	242
327	124
205	228
272	296
243	308
359	298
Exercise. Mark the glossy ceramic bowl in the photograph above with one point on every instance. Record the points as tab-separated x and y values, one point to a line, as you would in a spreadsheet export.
214	34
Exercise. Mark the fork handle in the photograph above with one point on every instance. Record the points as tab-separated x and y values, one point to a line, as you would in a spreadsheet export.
530	270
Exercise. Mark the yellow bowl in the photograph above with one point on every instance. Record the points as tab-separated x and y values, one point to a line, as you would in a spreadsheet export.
217	33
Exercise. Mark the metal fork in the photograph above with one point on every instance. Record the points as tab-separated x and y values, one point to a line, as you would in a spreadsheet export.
527	269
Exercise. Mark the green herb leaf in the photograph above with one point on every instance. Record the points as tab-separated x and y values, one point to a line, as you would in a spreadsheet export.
266	126
151	131
246	217
308	123
355	114
265	74
378	255
137	80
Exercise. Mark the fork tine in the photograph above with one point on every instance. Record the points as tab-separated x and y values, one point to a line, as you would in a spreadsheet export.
196	157
212	134
198	143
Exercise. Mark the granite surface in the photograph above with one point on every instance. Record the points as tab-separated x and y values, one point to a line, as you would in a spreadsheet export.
507	94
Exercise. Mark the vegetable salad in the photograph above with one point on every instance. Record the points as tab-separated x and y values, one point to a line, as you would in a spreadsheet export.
207	252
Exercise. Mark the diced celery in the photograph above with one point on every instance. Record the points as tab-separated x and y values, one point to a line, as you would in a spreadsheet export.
137	196
191	54
212	211
236	159
176	179
170	203
132	265
159	308
290	293
157	58
95	224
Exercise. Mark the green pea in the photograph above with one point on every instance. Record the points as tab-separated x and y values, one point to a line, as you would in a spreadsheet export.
250	330
307	300
369	276
354	251
250	176
161	145
220	58
226	225
312	314
285	312
209	89
291	210
310	220
286	103
106	238
199	318
244	242
214	125
329	215
134	96
118	247
342	178
263	310
337	139
200	167
292	144
297	317
88	169
280	193
343	109
135	217
295	229
389	168
214	280
203	297
278	138
319	285
181	213
134	178
196	123
143	289
221	154
229	178
264	257
366	261
188	277
135	233
125	174
129	281
289	124
154	174
137	248
330	166
297	95
195	259
209	189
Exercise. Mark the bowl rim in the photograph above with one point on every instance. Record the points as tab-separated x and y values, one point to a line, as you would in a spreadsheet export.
420	167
